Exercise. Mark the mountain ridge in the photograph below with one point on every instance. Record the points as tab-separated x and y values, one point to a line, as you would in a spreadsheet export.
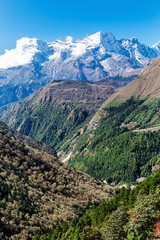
34	63
147	84
57	109
32	49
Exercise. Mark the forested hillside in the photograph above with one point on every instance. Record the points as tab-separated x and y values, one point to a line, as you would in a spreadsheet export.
37	190
119	149
26	139
131	215
121	141
55	113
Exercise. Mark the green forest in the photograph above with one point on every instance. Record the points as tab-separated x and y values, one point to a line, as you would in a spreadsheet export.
131	214
50	122
115	152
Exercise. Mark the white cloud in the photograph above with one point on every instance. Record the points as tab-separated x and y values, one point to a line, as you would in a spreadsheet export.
21	55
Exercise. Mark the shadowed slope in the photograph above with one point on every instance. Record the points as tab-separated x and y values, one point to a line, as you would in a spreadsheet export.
37	190
26	140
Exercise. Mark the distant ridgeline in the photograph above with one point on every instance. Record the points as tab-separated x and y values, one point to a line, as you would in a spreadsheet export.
34	63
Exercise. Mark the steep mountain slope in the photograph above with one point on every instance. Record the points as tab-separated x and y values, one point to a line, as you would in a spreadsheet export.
33	63
37	190
132	214
147	84
121	142
26	139
58	110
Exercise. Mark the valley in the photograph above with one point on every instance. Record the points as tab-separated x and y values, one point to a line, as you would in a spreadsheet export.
109	138
79	158
79	120
118	138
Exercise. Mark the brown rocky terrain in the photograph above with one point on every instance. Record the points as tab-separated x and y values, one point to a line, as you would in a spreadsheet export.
77	91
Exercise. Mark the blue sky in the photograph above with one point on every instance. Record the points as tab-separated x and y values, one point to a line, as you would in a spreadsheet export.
52	19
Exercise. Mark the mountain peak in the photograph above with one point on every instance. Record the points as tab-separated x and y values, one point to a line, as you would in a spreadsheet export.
109	35
157	44
92	58
157	47
94	38
129	41
134	40
109	41
99	37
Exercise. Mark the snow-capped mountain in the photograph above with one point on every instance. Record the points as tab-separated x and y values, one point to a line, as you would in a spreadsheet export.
33	63
157	48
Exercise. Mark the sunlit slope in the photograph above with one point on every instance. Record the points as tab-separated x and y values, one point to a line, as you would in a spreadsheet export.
121	141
